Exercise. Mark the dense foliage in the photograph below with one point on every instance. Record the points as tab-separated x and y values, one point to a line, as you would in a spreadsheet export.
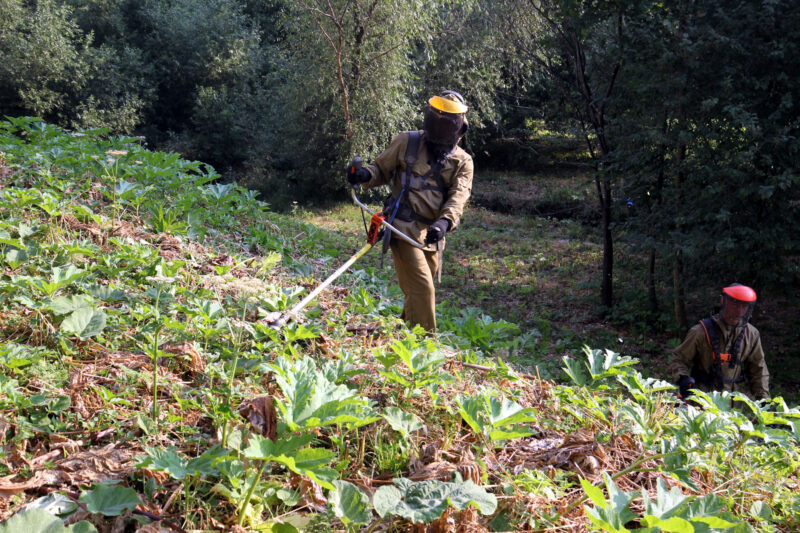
141	382
687	110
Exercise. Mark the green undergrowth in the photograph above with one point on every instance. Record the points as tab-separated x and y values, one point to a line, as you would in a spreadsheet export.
141	382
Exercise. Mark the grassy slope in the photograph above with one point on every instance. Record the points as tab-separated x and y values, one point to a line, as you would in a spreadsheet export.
528	252
189	285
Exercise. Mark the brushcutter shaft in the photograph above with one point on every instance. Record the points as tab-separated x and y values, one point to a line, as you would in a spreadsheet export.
292	313
394	230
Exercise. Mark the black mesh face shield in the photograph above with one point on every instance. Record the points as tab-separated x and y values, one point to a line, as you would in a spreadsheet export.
735	312
443	128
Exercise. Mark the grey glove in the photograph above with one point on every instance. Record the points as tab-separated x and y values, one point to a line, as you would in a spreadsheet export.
437	230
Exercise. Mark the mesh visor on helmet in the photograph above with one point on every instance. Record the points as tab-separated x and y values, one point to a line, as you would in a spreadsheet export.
443	128
738	302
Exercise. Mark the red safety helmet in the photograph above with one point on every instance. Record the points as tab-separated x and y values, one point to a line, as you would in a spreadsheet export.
738	302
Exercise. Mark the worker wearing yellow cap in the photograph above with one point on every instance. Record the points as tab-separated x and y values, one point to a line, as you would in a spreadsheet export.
723	352
431	181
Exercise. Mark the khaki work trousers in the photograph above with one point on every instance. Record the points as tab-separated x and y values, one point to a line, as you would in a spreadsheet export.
415	273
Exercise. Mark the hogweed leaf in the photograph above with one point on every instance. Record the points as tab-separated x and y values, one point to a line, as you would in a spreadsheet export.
424	501
575	371
41	521
715	522
85	323
54	503
311	400
605	363
64	305
612	514
310	462
350	504
595	494
166	461
471	408
110	500
496	417
386	499
675	524
667	501
259	447
122	187
401	421
618	498
505	412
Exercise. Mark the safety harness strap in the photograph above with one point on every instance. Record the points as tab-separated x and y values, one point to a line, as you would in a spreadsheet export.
410	157
715	378
400	208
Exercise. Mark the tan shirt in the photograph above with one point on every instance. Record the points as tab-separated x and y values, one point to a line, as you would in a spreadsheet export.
456	174
695	353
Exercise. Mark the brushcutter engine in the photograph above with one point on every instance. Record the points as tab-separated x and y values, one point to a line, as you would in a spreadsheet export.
376	230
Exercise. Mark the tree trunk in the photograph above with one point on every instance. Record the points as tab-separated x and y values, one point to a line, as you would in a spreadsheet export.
607	286
679	292
652	296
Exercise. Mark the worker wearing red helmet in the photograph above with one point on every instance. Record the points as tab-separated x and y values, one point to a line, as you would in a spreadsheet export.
723	352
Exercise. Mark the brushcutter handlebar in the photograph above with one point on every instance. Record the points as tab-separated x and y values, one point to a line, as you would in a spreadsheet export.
383	222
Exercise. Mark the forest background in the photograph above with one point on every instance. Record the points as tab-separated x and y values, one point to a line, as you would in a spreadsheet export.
682	117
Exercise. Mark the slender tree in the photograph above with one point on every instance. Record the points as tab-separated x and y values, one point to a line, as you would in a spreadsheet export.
579	47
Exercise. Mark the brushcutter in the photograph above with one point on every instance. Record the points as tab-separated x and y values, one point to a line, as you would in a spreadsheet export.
377	226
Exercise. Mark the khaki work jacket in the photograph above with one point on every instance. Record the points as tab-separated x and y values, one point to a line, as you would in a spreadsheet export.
694	358
456	174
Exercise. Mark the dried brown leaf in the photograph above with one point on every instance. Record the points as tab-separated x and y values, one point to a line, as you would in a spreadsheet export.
221	260
42	478
311	494
440	470
261	414
92	466
197	364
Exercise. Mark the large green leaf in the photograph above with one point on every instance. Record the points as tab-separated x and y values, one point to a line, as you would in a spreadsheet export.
15	257
715	522
275	527
110	500
64	305
497	418
61	278
405	423
259	447
311	400
605	363
54	503
350	504
667	502
40	521
84	323
424	501
505	412
575	371
166	461
309	462
179	467
675	524
595	494
610	515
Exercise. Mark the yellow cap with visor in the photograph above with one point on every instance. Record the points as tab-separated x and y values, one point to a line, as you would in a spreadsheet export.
446	105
